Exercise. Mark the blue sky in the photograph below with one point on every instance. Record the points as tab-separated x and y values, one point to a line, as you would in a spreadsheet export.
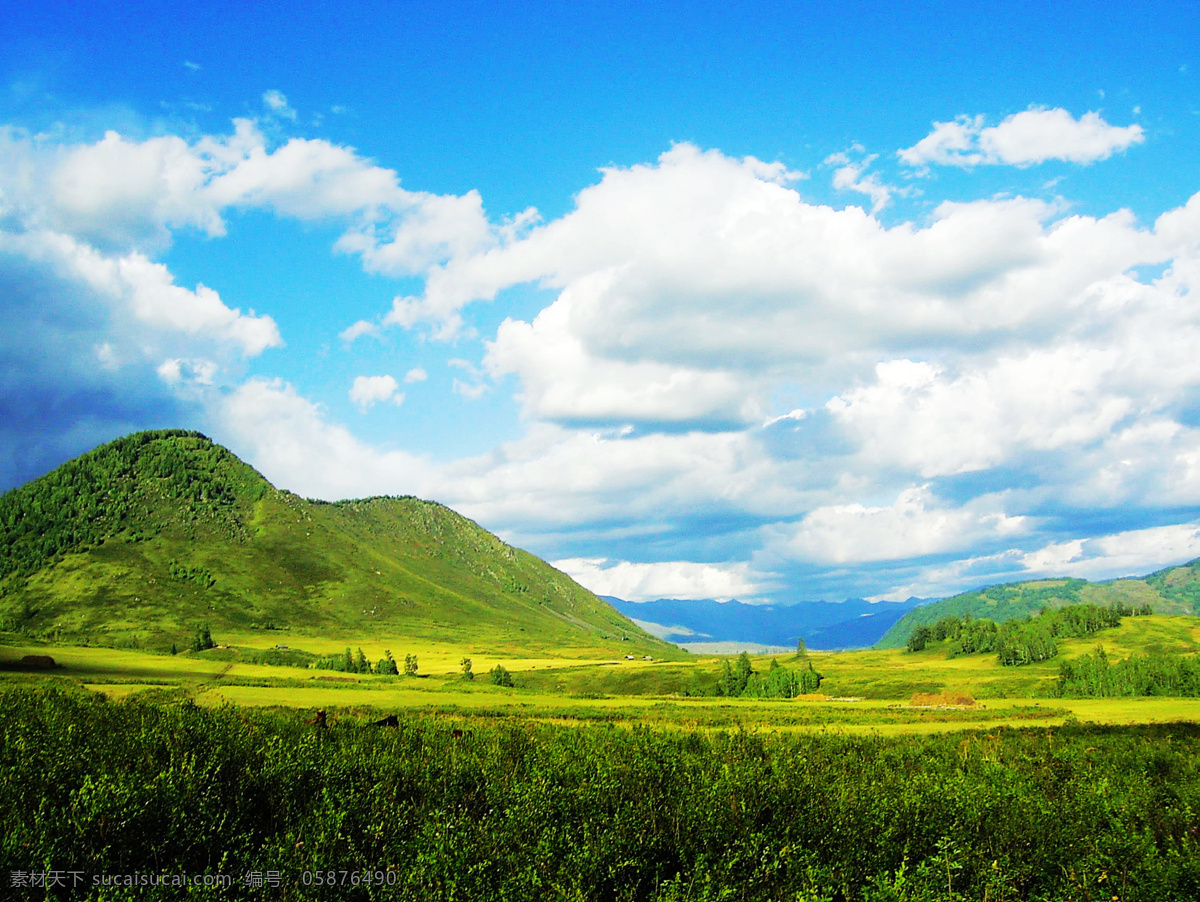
695	300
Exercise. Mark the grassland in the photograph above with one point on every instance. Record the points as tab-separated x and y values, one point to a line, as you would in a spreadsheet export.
596	777
862	691
447	806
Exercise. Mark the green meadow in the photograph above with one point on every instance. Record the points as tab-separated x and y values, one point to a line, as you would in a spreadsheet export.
378	699
872	689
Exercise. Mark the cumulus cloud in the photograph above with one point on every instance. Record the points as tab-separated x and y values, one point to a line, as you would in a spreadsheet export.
146	290
368	391
718	348
915	525
664	579
1129	553
291	441
1023	139
119	193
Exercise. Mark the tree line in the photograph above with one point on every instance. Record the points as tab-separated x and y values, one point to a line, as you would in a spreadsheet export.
1152	673
740	680
1018	642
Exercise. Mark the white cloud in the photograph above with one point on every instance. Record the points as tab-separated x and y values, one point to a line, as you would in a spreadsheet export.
849	176
416	374
136	286
1023	139
119	193
368	391
916	417
562	381
289	440
1130	553
357	330
915	525
277	103
664	579
469	390
178	371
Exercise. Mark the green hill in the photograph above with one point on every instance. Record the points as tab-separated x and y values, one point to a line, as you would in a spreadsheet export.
1175	590
142	540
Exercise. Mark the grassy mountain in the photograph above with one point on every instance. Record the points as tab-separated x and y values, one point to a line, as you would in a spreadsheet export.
1175	590
144	539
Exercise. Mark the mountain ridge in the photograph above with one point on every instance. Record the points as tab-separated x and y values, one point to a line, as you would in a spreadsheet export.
143	539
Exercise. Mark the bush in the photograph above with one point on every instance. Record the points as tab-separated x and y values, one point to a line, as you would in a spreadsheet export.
500	676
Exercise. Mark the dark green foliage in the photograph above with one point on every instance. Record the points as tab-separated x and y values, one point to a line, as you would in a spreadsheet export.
920	638
203	639
121	485
500	676
782	682
739	680
201	576
1154	673
1175	590
410	665
735	677
509	810
465	664
387	666
1180	584
345	662
1018	642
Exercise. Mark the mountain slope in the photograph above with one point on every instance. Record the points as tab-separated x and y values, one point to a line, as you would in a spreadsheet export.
1175	590
148	537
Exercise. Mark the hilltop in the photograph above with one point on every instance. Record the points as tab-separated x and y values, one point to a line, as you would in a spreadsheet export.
143	540
1174	590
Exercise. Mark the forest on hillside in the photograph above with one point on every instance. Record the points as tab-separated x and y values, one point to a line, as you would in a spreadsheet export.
140	482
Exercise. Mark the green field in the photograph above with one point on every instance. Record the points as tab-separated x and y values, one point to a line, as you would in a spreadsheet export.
862	691
911	777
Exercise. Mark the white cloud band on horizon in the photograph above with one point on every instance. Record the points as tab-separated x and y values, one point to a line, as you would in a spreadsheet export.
640	582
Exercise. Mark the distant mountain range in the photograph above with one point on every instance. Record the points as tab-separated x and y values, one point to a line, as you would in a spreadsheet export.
824	625
712	626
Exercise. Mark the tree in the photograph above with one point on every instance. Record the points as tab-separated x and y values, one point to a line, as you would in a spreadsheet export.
735	677
801	648
387	666
465	663
500	676
347	661
203	639
920	638
410	665
360	662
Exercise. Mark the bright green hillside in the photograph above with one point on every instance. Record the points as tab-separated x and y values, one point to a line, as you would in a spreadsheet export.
1175	590
144	539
